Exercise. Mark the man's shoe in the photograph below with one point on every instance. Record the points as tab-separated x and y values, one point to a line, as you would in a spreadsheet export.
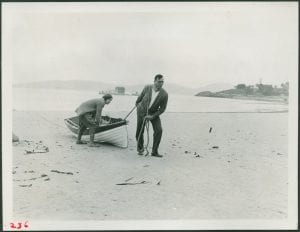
93	144
80	142
141	152
156	155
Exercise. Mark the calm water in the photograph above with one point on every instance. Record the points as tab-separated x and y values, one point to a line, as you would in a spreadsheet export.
68	100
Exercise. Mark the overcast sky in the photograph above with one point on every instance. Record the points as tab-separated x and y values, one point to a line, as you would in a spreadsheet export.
192	44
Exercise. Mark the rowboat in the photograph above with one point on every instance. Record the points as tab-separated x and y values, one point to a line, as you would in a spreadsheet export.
112	131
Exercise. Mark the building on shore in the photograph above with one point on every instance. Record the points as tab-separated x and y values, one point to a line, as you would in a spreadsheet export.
120	90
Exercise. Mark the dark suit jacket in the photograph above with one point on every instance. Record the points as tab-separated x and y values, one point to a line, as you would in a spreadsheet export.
159	105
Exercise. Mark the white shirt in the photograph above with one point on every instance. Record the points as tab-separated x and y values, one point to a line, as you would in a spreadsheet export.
154	95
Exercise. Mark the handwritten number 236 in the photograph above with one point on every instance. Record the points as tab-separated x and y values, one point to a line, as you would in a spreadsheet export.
18	225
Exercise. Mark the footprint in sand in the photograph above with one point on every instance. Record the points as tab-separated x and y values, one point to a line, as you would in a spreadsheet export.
68	173
33	178
25	185
197	155
31	171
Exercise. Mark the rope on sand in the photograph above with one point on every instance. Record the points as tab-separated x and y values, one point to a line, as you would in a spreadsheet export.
145	124
127	135
147	129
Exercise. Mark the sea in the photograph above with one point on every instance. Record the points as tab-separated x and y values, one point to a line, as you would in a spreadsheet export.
32	99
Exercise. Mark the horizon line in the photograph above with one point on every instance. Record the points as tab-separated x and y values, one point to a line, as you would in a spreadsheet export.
182	85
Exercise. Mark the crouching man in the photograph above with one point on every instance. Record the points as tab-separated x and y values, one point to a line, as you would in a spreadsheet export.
90	117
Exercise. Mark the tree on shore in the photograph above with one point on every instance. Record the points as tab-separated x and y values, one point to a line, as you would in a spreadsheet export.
285	88
266	90
241	86
263	89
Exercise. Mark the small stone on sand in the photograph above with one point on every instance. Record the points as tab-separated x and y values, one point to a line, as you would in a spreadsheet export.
15	138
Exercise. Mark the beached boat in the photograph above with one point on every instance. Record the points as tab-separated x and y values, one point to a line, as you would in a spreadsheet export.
113	130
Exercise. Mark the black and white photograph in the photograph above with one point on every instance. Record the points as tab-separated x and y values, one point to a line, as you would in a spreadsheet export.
149	115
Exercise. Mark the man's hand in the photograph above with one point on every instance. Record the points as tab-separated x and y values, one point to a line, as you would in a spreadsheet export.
93	121
98	121
148	117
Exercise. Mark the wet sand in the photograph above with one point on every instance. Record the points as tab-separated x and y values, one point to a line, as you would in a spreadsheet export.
215	166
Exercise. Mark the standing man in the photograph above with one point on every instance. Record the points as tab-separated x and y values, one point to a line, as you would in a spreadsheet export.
151	103
90	117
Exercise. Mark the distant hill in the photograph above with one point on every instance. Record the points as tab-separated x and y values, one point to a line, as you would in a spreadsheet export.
98	86
101	86
71	85
170	88
216	87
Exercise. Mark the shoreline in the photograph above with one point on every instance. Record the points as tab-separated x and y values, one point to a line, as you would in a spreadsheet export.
256	98
167	112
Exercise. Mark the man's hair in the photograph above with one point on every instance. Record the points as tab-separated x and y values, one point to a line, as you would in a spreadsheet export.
107	96
158	77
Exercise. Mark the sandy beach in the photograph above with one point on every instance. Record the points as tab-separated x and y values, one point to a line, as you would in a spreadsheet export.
238	171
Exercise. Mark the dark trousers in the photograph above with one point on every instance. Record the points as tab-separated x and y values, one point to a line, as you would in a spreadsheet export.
157	133
87	121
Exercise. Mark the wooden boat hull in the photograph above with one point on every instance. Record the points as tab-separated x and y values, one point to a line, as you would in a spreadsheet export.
114	132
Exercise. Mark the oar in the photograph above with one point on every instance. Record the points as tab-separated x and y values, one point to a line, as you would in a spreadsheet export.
130	112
